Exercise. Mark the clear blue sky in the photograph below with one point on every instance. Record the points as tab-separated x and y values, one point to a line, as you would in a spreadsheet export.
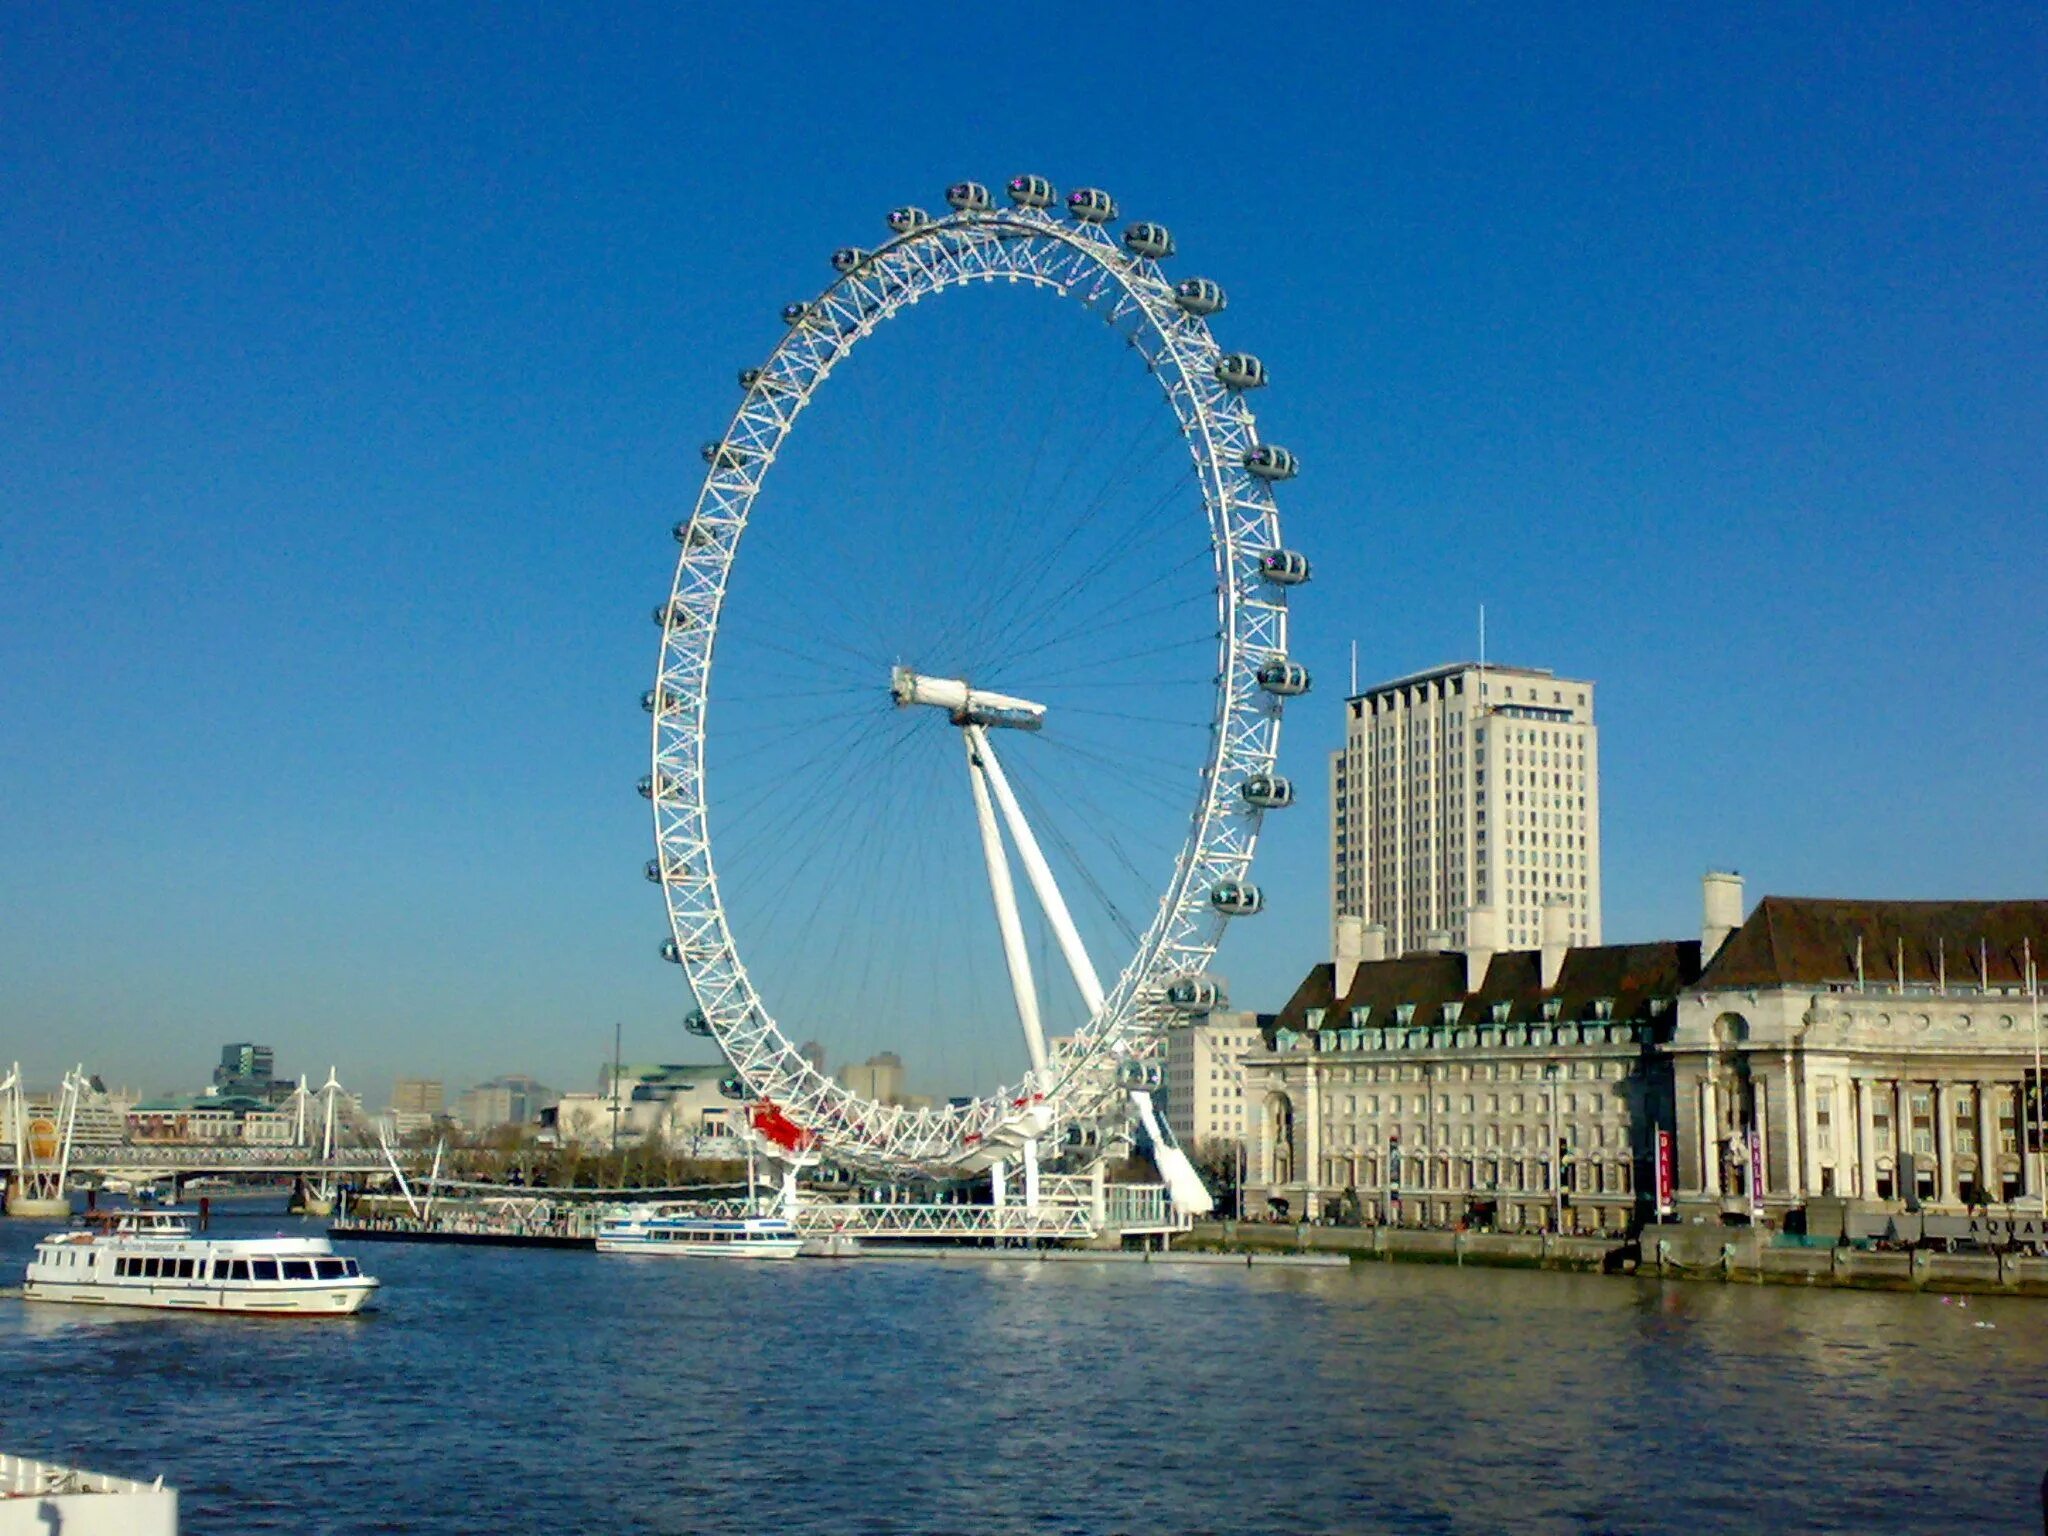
355	363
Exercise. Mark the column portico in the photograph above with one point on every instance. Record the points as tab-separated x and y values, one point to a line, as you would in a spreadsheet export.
1944	1143
1710	1138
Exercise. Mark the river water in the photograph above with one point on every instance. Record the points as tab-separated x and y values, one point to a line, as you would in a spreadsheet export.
501	1390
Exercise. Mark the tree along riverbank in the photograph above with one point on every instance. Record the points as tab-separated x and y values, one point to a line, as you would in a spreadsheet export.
1735	1255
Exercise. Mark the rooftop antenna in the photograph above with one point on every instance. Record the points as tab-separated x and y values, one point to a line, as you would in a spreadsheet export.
1859	962
1480	708
1354	669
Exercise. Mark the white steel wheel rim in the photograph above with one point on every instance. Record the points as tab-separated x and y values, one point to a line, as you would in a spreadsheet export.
1079	261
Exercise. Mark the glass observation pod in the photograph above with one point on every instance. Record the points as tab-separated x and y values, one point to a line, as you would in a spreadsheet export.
906	221
675	612
1138	1074
1154	242
671	952
1091	205
847	257
654	871
1240	370
1032	192
1193	994
694	1023
722	456
1284	567
795	314
691	534
1283	678
646	786
1268	791
664	701
1200	297
732	1088
1269	461
1237	898
752	379
969	197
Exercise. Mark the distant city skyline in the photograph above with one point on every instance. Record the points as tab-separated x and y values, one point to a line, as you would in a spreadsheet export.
347	427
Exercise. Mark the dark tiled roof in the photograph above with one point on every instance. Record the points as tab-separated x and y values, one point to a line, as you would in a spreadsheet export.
1795	940
1630	974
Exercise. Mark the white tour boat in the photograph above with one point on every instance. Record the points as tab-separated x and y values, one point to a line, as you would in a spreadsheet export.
653	1229
153	1259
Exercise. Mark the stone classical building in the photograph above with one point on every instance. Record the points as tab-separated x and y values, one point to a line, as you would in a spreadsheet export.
1873	1051
1443	1086
1468	786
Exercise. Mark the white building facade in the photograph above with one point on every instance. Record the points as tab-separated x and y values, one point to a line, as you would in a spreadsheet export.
1467	786
1206	1103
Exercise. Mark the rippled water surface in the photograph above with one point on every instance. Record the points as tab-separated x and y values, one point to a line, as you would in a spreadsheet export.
496	1390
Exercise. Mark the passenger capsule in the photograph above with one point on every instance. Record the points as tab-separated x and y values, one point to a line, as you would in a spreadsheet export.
1154	242
847	257
691	534
646	786
1138	1074
1237	898
1032	192
732	1088
1240	370
1283	678
654	871
663	701
694	1023
673	614
1284	567
968	197
795	314
1200	297
671	952
1269	461
722	455
908	220
1268	792
1091	205
1194	994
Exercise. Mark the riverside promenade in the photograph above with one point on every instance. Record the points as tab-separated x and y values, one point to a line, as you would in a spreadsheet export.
1736	1255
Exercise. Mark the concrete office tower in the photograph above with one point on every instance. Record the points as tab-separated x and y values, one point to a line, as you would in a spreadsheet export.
1463	787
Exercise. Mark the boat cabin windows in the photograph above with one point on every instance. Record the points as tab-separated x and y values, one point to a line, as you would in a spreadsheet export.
298	1269
332	1269
263	1269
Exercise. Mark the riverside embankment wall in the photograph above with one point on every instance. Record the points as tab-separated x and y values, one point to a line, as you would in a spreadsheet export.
1735	1255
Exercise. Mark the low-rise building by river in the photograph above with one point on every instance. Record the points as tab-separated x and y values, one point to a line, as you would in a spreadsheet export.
1830	1056
1515	1089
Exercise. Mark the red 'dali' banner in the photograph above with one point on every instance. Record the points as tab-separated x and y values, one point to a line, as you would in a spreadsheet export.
1667	1172
778	1128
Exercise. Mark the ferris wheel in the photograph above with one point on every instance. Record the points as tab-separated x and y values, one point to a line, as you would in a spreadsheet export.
1246	570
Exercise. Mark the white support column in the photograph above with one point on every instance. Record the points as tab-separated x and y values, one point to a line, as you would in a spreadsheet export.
998	1184
1988	1190
1943	1103
1022	984
1031	1173
1760	1159
1795	1128
1866	1140
1040	874
1710	1139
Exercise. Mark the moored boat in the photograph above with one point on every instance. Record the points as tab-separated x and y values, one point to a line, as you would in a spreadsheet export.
653	1230
154	1259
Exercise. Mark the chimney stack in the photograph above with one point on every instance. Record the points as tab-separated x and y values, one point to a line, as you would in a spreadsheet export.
1482	939
1721	893
1375	941
1347	949
1557	930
